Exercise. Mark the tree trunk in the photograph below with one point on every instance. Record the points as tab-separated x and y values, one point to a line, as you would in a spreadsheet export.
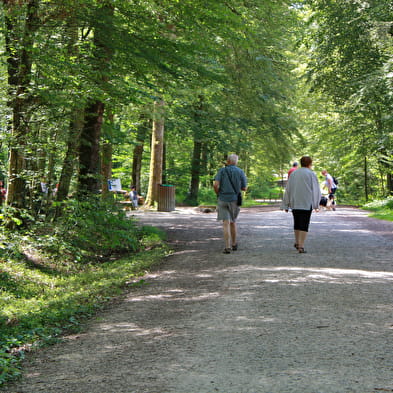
164	177
19	64
89	181
106	161
366	178
71	155
156	159
138	154
389	183
192	197
49	182
89	151
76	125
106	167
137	166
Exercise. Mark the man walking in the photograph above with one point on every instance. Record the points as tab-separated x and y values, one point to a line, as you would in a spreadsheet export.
228	183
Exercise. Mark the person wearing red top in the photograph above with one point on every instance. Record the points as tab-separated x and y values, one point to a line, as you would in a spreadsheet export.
294	167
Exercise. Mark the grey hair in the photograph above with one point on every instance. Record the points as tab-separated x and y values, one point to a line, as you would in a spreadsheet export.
233	159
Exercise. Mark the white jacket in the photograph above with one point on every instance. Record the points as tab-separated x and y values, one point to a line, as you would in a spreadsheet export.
302	191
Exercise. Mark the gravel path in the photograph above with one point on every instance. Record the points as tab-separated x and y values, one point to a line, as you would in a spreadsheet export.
262	320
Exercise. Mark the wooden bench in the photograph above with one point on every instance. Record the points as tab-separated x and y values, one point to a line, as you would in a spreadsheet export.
127	205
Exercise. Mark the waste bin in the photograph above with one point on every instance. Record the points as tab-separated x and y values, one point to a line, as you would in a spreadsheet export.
166	198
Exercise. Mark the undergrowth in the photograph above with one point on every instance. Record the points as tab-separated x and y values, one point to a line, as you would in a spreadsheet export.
382	209
54	275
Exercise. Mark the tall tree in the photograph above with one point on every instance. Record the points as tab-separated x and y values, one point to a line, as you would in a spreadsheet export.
106	156
21	23
89	148
196	161
141	134
349	48
157	149
76	118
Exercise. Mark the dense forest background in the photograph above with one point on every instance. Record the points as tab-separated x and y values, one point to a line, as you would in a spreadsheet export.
159	92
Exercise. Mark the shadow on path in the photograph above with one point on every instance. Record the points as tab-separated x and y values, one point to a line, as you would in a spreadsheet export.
262	319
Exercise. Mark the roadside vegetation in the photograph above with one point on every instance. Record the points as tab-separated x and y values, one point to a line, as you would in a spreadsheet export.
100	95
382	209
53	277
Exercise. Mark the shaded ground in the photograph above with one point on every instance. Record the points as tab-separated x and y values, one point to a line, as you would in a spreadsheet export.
264	319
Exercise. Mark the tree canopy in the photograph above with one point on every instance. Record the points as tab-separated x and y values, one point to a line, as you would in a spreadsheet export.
268	80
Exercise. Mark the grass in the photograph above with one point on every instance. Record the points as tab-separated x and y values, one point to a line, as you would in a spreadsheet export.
46	291
250	203
382	209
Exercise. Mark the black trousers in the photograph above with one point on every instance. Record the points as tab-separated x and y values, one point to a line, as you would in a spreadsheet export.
301	219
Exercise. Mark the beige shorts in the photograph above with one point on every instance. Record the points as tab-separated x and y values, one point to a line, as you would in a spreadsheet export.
227	211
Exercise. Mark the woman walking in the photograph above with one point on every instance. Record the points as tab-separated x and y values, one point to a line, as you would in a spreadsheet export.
302	195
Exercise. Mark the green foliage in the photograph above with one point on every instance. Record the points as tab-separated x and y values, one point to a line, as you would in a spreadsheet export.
93	228
54	276
348	49
231	54
86	231
9	365
384	203
207	196
150	236
382	209
261	190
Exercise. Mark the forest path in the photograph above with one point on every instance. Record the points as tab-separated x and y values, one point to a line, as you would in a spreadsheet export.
262	319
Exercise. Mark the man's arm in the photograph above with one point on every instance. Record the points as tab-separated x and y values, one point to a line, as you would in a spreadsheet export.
216	186
329	184
243	181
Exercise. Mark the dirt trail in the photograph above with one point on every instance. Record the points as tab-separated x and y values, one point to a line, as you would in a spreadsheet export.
264	319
